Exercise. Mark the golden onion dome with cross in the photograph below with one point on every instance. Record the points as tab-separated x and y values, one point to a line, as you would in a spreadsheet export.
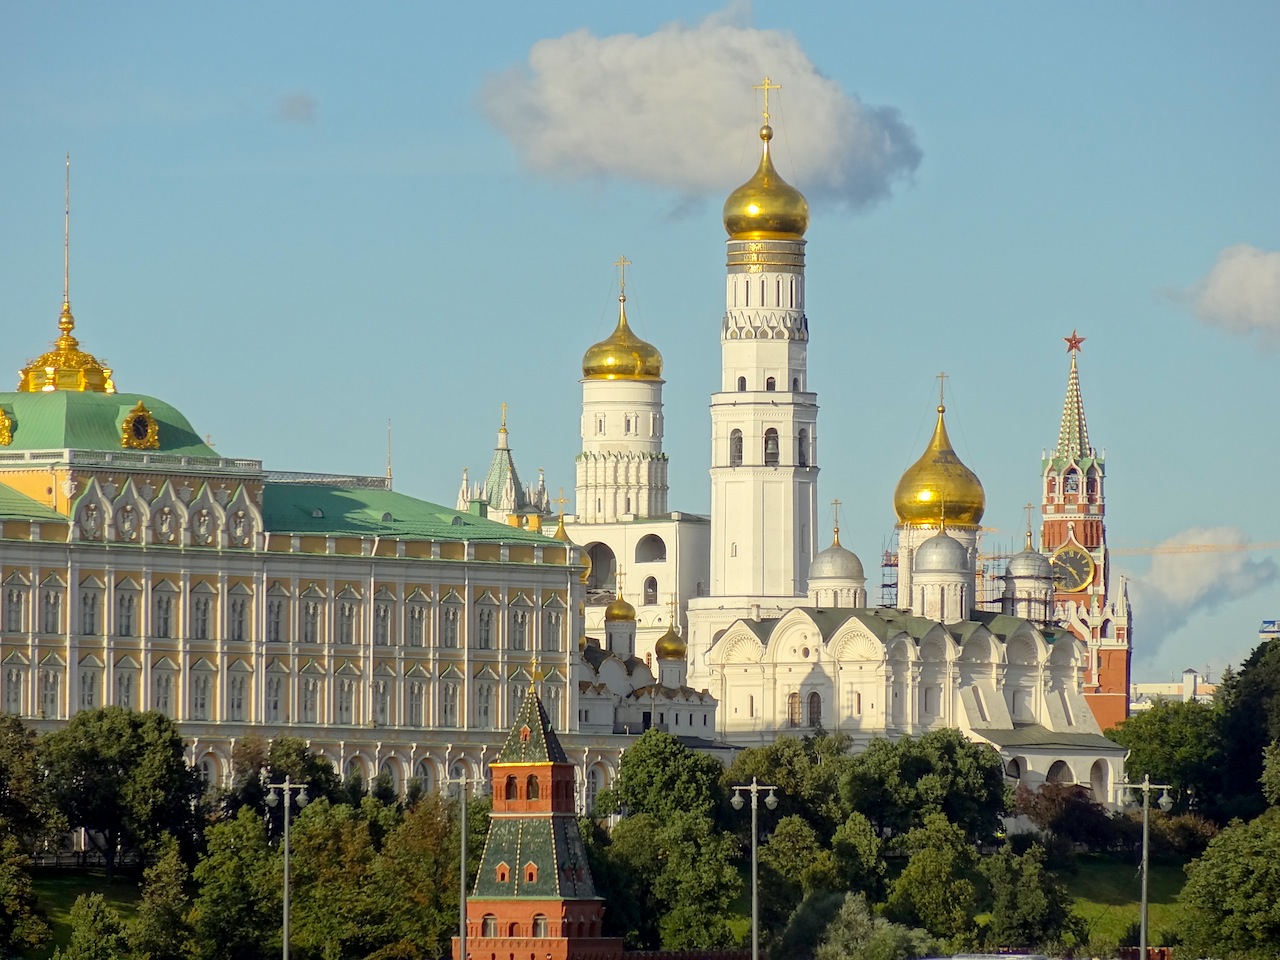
670	646
619	610
766	207
622	355
938	488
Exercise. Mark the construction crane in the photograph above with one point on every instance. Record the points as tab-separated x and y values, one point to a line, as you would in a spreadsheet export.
1160	548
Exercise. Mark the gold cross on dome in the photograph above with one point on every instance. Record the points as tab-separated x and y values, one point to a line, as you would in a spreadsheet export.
622	263
504	415
835	507
560	501
942	389
766	87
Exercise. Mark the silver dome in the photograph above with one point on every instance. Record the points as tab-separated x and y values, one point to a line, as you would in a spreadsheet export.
941	554
837	563
1029	564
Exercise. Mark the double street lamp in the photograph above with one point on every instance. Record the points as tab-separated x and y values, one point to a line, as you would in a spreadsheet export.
771	801
273	798
1166	804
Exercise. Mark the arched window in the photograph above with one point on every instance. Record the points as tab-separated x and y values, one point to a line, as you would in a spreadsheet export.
530	873
539	925
650	590
771	384
793	710
795	384
802	449
771	447
742	384
489	926
511	790
815	709
735	448
604	567
531	791
1072	482
651	549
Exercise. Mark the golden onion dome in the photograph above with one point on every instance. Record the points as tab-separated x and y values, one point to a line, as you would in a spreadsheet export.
619	610
938	487
622	355
66	366
766	207
670	646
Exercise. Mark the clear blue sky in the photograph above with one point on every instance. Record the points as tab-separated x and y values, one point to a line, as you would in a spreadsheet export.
297	220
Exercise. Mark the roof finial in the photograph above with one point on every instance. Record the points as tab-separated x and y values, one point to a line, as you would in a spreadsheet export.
1028	508
835	509
66	237
622	263
503	427
388	451
560	501
766	87
1074	341
942	392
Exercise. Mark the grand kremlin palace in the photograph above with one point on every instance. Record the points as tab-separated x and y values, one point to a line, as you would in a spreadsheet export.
400	638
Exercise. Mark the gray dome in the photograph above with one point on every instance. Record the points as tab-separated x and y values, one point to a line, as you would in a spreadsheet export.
1030	564
837	563
941	554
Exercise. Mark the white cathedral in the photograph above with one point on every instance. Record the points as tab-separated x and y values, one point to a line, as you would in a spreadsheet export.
743	631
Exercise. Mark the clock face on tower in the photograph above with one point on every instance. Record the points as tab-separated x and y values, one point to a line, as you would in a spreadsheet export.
1073	568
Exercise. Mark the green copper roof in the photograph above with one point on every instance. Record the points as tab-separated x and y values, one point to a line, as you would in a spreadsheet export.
540	745
18	506
68	420
552	844
334	511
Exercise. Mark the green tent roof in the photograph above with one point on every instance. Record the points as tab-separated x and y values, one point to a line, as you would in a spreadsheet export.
69	420
541	745
327	510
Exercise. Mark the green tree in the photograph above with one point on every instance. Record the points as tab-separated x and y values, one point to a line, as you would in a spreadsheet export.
858	857
122	776
661	776
1068	811
622	881
1178	742
1271	772
255	763
161	931
1230	904
26	811
237	910
806	772
793	863
858	934
935	889
1250	721
1028	906
698	883
21	924
97	933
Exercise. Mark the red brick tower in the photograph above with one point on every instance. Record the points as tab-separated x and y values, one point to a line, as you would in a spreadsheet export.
1074	535
534	898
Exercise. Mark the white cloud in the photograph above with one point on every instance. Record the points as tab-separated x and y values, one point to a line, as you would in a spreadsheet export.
674	109
1180	585
1241	294
296	108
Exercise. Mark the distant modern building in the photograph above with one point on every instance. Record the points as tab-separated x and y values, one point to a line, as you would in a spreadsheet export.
1192	687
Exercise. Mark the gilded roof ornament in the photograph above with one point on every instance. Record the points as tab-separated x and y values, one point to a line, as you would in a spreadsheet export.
66	366
766	206
938	488
622	355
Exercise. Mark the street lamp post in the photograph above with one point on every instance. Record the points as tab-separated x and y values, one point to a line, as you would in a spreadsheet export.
771	801
273	798
1166	804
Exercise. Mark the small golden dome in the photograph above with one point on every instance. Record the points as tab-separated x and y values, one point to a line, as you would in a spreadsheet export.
939	487
66	366
766	207
622	355
619	610
670	646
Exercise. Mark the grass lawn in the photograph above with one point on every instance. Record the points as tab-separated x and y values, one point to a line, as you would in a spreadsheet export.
1107	891
57	890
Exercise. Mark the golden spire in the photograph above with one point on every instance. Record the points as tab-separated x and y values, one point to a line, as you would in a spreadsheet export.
503	427
766	207
66	366
561	534
622	355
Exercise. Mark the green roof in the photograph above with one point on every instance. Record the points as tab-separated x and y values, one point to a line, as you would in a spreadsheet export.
1035	735
69	420
540	744
335	511
18	506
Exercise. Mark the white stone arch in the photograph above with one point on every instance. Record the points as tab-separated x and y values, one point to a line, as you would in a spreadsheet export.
854	642
737	646
168	516
902	649
244	520
981	647
92	512
1022	650
1100	781
1060	772
651	549
1066	651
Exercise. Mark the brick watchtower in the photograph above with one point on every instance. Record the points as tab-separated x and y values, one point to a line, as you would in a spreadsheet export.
1074	535
534	898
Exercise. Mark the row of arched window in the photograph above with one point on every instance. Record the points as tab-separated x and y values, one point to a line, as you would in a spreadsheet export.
796	714
770	384
770	448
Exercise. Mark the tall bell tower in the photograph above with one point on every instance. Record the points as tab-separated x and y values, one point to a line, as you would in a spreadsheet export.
764	419
1074	536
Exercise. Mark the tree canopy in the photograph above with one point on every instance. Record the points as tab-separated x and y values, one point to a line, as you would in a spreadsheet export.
661	776
1178	742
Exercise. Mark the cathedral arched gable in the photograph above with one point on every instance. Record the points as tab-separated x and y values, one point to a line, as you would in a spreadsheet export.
795	629
902	647
938	647
1026	647
854	642
736	646
1066	651
981	648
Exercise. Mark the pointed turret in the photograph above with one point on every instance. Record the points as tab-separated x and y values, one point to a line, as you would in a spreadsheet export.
1073	435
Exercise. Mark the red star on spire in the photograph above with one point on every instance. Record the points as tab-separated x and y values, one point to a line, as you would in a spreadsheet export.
1073	342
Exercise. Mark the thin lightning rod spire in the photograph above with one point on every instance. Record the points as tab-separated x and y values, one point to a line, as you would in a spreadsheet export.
388	451
66	237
